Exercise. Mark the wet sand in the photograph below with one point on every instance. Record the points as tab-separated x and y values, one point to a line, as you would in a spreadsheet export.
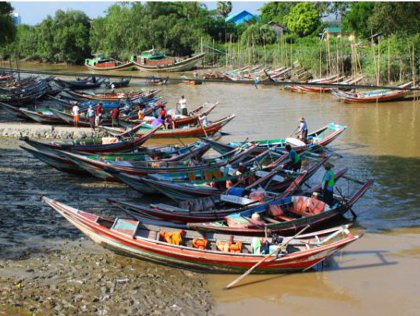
49	267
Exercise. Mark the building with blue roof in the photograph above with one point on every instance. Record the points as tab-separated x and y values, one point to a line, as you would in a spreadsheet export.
240	17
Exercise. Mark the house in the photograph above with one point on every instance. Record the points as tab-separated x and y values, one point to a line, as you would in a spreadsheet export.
239	18
278	28
375	38
16	18
331	32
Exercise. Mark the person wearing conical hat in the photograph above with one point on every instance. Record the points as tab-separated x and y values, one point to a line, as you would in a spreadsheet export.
303	129
328	182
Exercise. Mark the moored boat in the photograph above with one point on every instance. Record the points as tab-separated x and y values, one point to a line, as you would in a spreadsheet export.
210	252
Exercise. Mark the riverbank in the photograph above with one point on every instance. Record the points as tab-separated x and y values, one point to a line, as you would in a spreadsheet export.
49	267
34	130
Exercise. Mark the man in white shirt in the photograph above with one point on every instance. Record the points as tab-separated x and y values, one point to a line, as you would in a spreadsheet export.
183	106
303	129
75	110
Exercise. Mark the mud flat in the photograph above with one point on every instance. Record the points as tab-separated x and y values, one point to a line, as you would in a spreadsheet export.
17	129
48	267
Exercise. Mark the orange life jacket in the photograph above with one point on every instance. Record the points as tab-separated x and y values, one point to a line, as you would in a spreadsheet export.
174	238
200	243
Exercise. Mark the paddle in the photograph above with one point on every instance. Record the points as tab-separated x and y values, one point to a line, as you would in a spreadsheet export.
293	131
346	203
234	282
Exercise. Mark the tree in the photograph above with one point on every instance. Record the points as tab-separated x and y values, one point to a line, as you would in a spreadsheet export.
224	8
303	19
275	11
7	27
258	34
401	17
356	20
339	9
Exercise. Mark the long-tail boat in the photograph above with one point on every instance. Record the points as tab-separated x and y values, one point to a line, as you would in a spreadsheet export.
283	216
203	209
98	145
277	180
182	120
195	131
148	94
373	96
57	160
85	83
155	61
142	168
210	252
315	141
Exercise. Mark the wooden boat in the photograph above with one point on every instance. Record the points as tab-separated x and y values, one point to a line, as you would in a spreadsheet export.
277	180
60	162
316	140
157	80
142	168
106	64
283	216
195	131
155	61
85	83
182	120
133	238
203	209
68	118
115	96
372	96
44	116
123	82
99	145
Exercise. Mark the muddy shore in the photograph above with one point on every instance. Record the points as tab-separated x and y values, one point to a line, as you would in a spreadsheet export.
49	267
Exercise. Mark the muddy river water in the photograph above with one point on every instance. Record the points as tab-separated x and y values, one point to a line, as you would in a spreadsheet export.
376	275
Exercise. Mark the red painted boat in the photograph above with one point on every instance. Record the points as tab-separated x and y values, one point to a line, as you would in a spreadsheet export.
92	145
190	250
372	96
195	131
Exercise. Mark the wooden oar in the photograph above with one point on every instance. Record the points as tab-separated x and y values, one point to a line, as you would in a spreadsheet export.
236	281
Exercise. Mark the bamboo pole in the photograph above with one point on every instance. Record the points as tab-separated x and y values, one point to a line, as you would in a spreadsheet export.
389	62
378	81
414	67
320	60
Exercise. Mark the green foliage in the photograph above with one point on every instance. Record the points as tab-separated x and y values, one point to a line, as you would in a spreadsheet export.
7	27
259	35
401	17
303	19
224	8
276	11
357	19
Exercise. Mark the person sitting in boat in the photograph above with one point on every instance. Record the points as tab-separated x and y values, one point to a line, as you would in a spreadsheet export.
328	182
303	130
183	106
295	162
169	123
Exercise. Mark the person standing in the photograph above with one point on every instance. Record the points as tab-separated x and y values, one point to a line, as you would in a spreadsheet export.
328	182
303	129
183	106
91	117
76	115
295	161
163	112
114	116
98	118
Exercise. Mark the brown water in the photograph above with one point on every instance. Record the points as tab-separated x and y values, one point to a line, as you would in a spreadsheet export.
378	274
